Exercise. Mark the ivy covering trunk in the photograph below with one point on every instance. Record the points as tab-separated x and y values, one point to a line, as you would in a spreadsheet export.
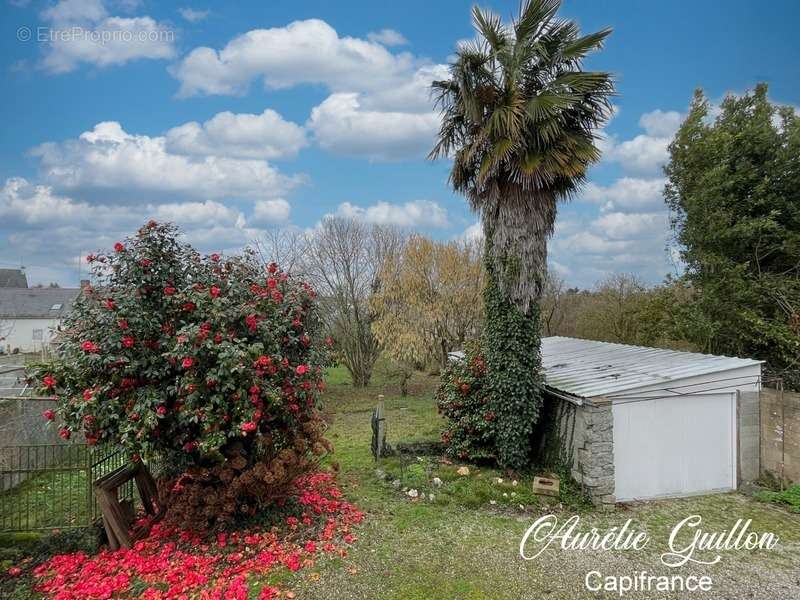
513	360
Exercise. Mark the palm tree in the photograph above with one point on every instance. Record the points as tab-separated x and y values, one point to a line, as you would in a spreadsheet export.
520	120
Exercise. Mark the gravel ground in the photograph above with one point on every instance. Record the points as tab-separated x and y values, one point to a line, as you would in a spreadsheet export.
473	554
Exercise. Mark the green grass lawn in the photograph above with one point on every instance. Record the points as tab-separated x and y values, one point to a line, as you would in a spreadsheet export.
461	545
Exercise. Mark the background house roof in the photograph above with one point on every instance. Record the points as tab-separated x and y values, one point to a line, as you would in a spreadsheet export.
13	278
589	369
36	303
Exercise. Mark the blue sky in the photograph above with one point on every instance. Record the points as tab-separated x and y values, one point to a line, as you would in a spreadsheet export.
233	118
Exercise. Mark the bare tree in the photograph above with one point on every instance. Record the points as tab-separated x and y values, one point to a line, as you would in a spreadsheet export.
343	259
284	246
552	303
613	311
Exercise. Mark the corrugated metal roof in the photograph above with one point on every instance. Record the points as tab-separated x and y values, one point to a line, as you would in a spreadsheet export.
36	303
589	369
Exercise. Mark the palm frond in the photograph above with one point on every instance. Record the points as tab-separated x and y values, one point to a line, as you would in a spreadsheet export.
490	26
580	47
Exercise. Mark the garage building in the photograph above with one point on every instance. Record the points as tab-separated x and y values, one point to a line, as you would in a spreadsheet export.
640	423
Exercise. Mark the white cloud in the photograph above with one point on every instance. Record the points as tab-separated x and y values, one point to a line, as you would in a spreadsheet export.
24	203
627	193
631	226
587	242
647	153
82	31
302	52
659	123
208	213
419	213
241	135
342	125
74	12
50	231
267	212
643	155
110	160
380	106
387	37
474	232
192	15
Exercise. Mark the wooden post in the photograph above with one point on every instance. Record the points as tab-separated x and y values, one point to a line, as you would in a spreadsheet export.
378	429
118	516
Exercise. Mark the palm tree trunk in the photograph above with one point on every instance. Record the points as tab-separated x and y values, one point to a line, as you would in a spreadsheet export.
514	366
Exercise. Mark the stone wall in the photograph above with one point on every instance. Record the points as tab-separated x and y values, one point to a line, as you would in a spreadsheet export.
586	436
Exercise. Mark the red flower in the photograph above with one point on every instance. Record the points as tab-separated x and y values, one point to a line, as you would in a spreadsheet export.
118	247
187	363
188	306
123	324
214	291
128	341
87	394
161	410
271	283
89	346
311	547
218	339
215	257
64	433
49	414
49	381
272	268
248	426
292	562
169	291
251	321
277	296
90	258
110	304
15	571
301	369
146	262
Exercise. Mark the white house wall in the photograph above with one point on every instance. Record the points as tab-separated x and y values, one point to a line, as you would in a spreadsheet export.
22	333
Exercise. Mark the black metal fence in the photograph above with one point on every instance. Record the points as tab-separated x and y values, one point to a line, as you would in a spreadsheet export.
49	486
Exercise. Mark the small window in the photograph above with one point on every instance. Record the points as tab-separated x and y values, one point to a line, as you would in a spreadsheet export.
38	335
56	307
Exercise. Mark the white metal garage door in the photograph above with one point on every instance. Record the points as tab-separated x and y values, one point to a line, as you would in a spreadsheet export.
674	446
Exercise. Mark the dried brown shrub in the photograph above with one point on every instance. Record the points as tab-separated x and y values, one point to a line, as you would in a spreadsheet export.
249	479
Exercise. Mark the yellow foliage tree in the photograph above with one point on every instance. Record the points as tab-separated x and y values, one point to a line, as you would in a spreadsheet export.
429	300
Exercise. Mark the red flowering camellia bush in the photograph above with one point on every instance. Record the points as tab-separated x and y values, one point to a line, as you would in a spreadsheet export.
462	398
211	365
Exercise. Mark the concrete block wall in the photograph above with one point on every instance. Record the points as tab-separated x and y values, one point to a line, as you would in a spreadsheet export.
780	434
749	422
